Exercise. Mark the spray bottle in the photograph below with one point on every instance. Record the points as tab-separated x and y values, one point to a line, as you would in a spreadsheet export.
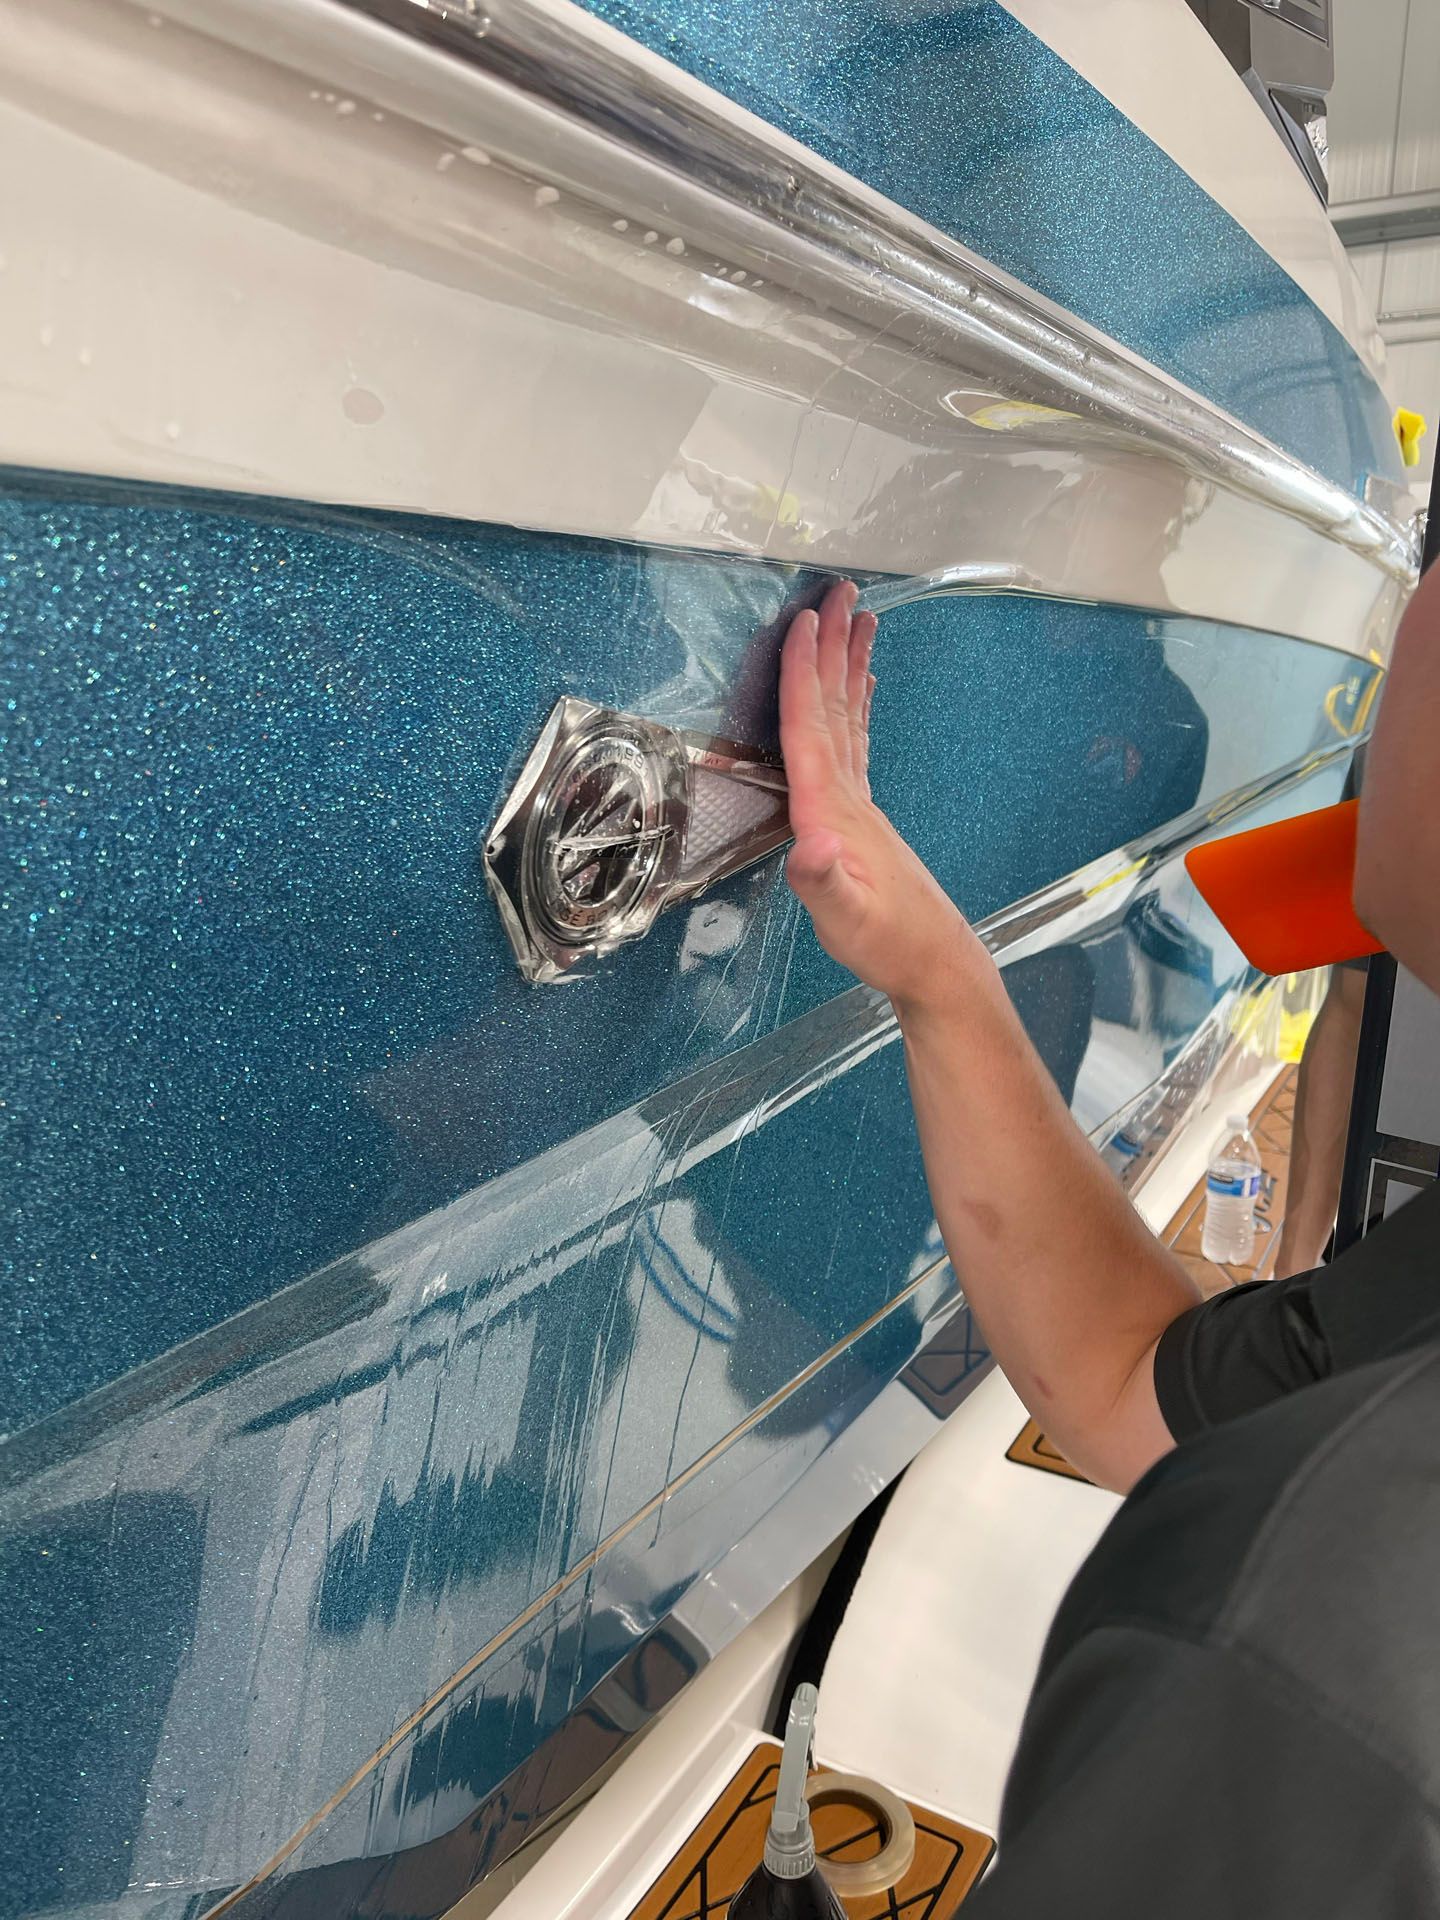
788	1884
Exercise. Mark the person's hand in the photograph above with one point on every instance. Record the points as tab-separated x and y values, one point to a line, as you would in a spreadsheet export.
877	908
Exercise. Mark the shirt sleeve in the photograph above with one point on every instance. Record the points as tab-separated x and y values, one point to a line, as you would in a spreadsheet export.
1158	1776
1254	1344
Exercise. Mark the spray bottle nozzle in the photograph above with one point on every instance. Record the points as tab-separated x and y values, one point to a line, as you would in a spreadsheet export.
788	1885
790	1843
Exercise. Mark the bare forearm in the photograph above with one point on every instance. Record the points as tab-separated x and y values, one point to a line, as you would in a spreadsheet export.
1071	1288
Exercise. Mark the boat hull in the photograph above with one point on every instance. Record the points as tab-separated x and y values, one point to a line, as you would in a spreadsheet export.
454	1328
415	1373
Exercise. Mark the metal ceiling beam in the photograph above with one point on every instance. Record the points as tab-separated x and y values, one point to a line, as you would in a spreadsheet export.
1408	329
1395	216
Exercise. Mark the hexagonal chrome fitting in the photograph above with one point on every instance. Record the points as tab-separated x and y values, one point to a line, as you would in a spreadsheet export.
614	818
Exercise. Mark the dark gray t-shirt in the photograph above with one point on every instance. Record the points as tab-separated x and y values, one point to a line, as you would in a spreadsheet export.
1238	1709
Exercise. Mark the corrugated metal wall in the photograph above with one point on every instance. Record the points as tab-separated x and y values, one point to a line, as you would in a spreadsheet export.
1384	127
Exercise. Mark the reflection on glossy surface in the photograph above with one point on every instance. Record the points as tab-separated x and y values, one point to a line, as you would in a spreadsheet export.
658	318
587	1279
1009	150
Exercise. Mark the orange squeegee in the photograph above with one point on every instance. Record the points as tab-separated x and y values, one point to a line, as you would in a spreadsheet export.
1282	892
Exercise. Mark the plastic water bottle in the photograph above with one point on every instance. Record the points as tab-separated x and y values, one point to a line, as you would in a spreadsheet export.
1231	1185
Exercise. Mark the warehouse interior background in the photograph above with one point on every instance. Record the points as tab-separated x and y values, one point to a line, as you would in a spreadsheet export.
1384	127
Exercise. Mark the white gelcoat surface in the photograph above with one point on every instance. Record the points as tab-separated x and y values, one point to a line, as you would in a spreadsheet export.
219	279
931	1669
1127	50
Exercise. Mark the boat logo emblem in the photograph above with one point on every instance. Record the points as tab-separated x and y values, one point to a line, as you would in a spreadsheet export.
613	818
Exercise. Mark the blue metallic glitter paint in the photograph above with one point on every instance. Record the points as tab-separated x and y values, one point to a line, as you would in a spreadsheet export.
1009	150
249	767
470	1273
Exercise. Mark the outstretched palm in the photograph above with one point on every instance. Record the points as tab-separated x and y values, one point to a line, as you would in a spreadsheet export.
877	909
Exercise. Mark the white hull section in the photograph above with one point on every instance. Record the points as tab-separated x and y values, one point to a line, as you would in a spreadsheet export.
288	251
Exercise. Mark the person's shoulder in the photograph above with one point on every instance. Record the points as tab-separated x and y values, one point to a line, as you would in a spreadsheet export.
1337	1591
1304	1539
